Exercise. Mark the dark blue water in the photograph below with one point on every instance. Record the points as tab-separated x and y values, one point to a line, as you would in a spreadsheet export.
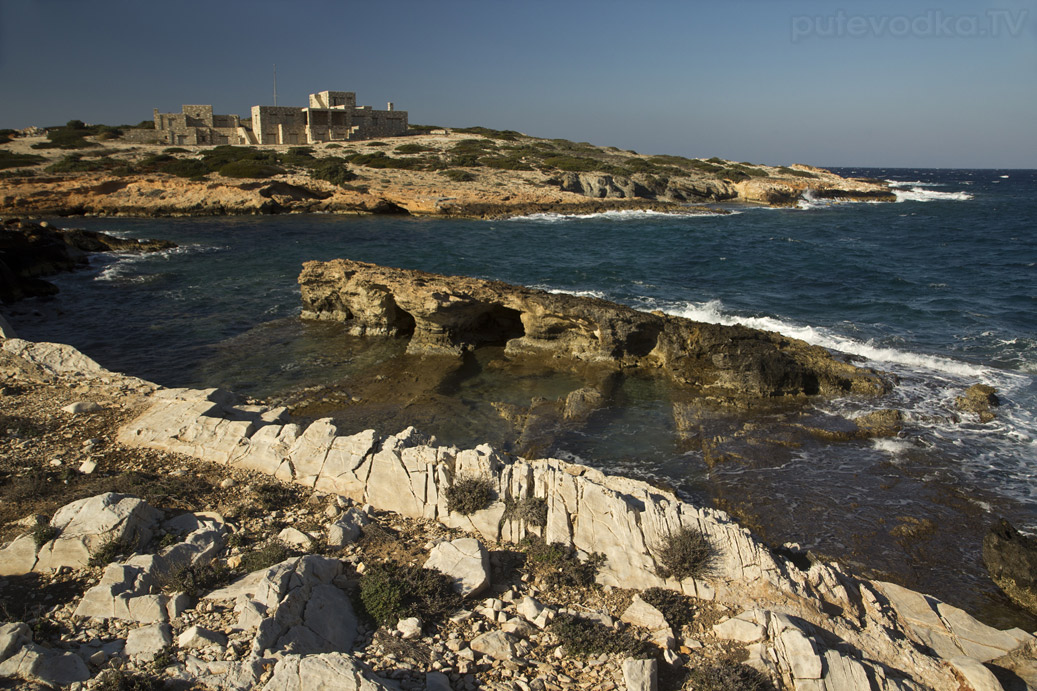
939	288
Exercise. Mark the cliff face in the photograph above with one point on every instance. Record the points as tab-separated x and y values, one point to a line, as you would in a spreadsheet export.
449	315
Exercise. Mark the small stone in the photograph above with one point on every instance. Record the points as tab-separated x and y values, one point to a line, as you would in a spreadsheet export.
739	630
641	675
82	407
228	483
409	627
87	467
198	637
293	537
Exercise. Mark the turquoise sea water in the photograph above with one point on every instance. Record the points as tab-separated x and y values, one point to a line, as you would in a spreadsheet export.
939	289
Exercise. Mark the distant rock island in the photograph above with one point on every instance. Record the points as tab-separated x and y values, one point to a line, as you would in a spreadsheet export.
462	172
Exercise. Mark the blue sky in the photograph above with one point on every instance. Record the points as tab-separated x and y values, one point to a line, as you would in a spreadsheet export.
867	83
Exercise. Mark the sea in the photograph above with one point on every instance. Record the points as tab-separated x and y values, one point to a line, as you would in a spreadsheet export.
938	289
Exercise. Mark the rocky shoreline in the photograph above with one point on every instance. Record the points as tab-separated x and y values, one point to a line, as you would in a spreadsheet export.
456	174
792	621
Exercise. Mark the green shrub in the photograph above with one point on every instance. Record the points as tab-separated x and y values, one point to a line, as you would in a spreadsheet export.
333	170
273	552
574	164
74	163
109	551
506	135
585	638
273	496
784	170
413	148
71	136
44	533
184	168
726	676
458	175
504	163
219	156
118	679
376	144
195	579
677	609
249	169
298	156
529	510
333	146
469	494
685	553
11	160
423	128
555	565
391	591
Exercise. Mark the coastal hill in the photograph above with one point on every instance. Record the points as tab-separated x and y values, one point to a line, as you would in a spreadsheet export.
467	172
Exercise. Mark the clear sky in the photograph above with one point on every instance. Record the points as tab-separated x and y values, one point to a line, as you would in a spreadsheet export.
868	83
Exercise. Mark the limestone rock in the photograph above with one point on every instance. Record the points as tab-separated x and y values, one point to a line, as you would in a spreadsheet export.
293	537
325	672
640	613
437	681
82	407
466	561
36	663
495	644
86	524
977	675
409	627
13	637
346	528
148	641
641	675
200	637
451	314
1011	559
740	630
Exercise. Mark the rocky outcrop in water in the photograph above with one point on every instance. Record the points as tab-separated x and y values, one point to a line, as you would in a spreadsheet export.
30	250
1011	559
449	315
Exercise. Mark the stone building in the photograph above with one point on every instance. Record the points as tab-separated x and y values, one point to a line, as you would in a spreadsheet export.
330	116
197	125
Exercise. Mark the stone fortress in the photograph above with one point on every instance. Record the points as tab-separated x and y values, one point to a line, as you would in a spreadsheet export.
331	116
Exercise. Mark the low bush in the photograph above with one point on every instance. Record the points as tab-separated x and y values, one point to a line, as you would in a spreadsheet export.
109	551
529	510
71	136
458	175
12	160
298	156
196	579
414	148
469	494
585	638
504	163
44	533
118	679
677	609
784	170
572	164
273	552
423	128
506	135
378	159
726	676
685	553
391	591
554	565
333	170
74	163
249	169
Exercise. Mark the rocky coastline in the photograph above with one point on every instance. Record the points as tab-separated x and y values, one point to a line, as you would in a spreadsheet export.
762	617
455	174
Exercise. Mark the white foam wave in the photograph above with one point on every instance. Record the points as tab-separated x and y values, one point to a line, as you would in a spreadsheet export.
915	183
712	312
122	267
920	194
621	215
578	293
894	447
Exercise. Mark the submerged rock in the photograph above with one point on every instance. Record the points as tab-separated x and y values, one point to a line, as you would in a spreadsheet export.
1011	559
979	399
